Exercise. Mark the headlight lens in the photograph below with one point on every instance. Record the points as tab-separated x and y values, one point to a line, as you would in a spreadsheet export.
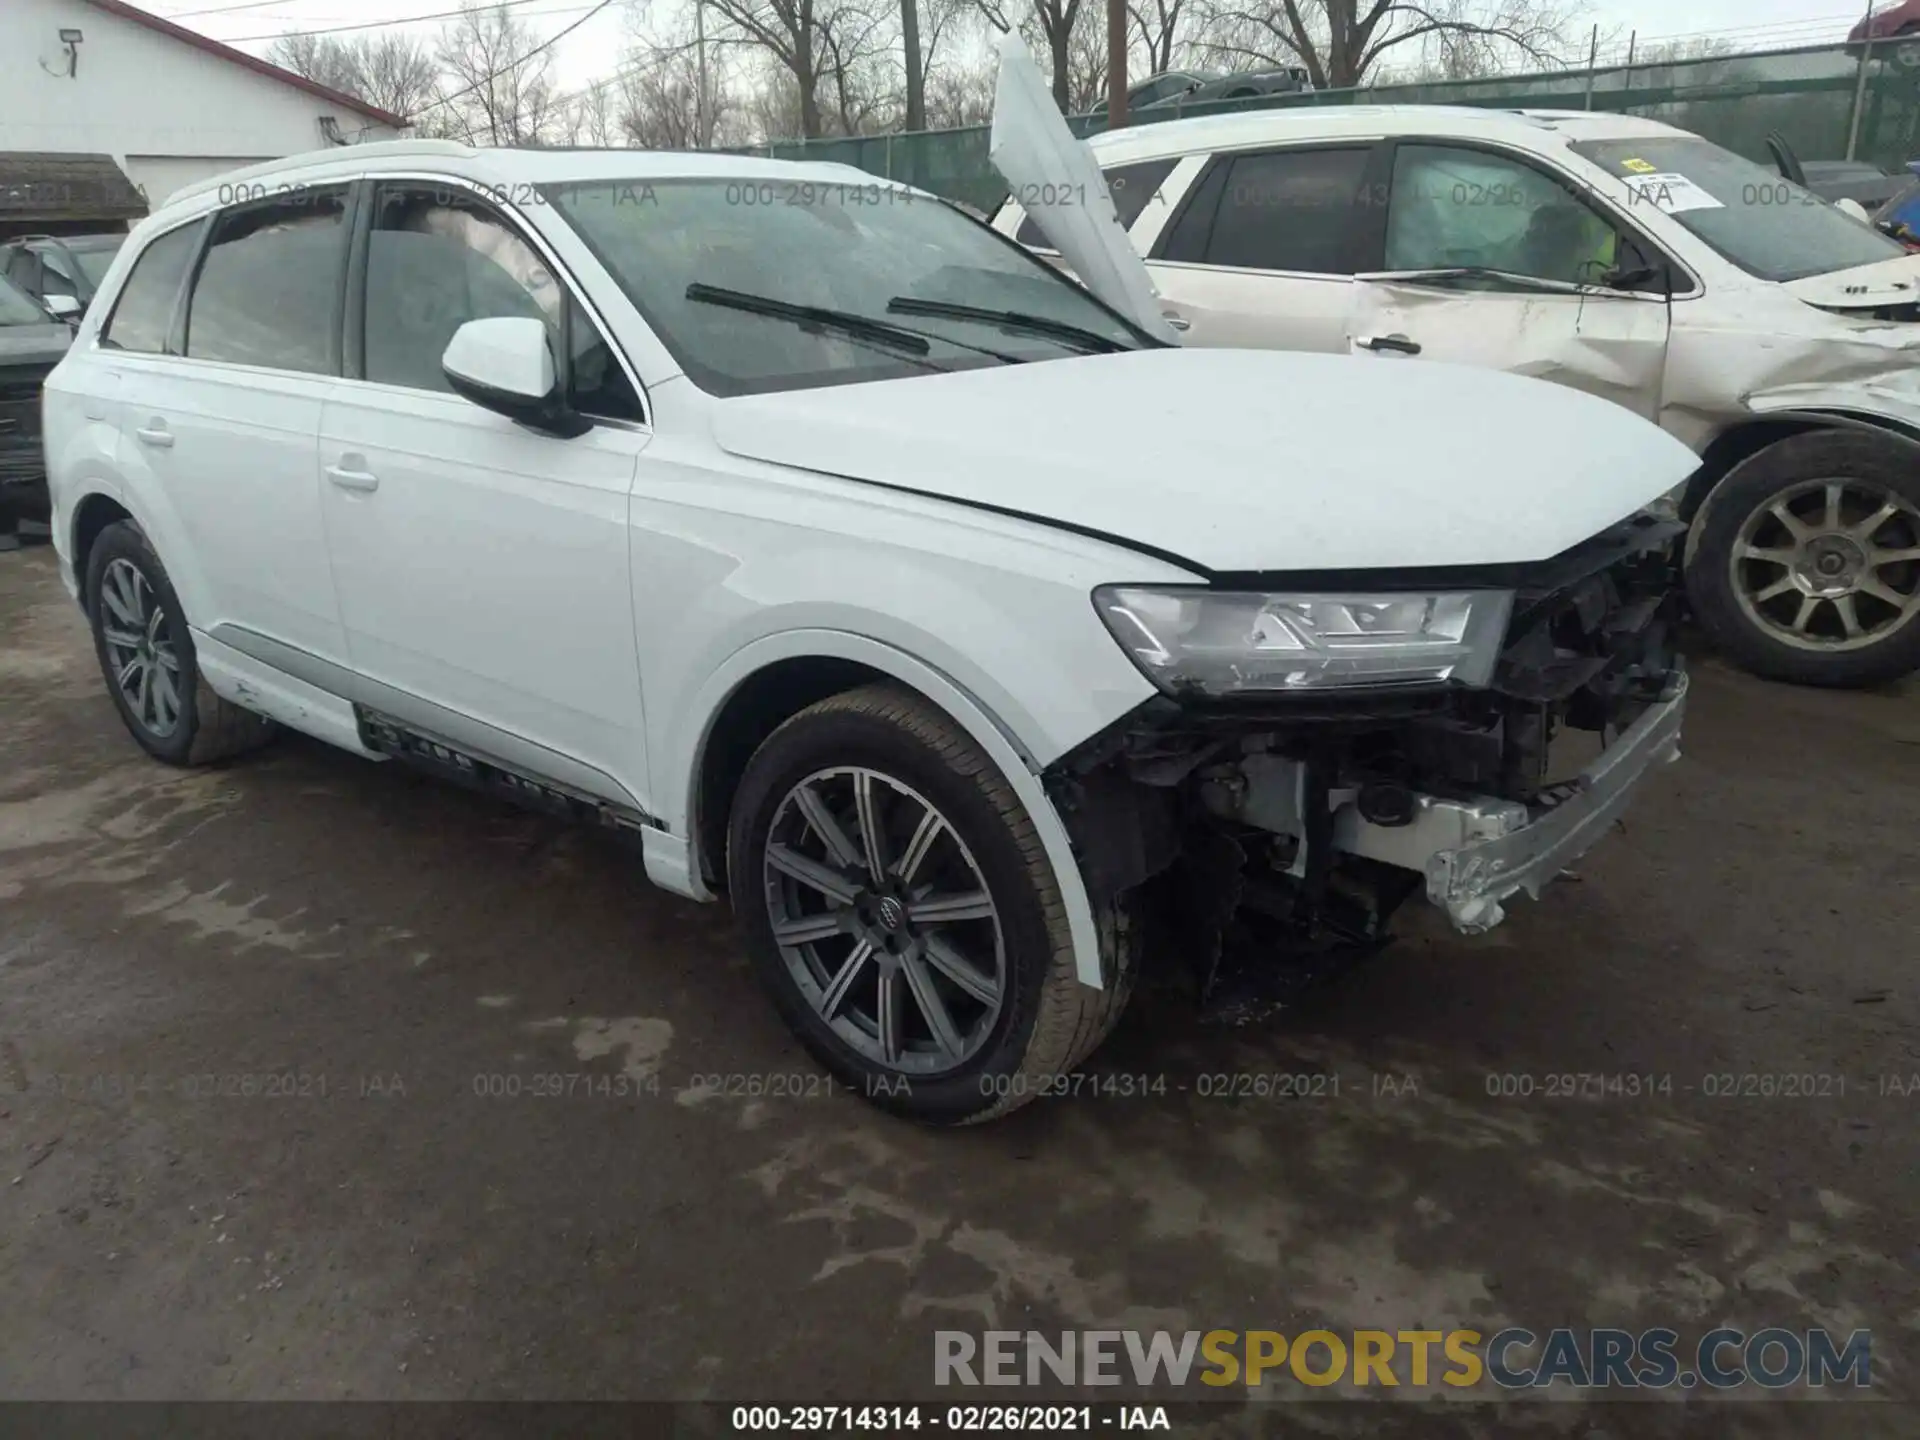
1233	643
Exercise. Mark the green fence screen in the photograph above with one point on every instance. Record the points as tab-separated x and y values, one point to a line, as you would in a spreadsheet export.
1808	95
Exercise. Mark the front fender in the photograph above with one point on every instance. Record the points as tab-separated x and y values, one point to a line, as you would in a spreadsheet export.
965	709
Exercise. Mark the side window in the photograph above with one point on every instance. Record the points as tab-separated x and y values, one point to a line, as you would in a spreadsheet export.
143	313
596	385
1131	187
1186	238
438	257
1454	207
269	286
1290	210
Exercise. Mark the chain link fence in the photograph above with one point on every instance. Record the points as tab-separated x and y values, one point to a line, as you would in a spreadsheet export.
1815	97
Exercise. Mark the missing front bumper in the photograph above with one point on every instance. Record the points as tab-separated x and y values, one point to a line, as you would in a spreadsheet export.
1477	853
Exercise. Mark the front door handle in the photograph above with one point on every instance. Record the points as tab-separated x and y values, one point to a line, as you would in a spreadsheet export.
156	434
1389	344
1176	322
348	478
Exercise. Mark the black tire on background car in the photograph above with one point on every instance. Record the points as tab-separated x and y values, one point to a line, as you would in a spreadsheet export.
1805	562
903	915
147	658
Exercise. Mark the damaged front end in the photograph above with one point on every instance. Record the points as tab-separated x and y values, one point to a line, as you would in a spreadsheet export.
1290	824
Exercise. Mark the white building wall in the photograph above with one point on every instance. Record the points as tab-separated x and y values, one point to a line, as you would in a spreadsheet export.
169	113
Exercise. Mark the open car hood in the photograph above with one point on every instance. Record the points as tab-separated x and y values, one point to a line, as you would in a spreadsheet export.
1241	460
1057	182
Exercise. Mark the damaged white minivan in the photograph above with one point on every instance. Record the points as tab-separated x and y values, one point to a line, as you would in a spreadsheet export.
1772	333
856	564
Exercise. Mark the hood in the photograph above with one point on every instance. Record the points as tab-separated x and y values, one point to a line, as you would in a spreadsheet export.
34	344
1241	460
1865	287
1057	182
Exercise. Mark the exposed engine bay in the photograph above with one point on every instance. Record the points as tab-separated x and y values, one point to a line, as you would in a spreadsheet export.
1293	827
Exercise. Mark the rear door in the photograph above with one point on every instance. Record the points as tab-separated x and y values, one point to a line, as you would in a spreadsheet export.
219	430
1262	251
1597	319
483	566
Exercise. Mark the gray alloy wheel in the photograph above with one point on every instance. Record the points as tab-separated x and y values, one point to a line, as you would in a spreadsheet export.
885	921
1829	564
139	644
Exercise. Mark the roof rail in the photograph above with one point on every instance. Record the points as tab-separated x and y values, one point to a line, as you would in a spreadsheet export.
313	158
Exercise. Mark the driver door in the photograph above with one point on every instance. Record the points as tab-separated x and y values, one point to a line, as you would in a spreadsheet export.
1505	222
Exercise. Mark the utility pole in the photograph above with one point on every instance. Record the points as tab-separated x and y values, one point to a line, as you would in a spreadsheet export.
1860	87
700	90
1593	59
1116	63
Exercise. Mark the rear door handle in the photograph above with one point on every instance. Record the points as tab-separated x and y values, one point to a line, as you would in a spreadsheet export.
156	434
1394	344
1176	322
349	478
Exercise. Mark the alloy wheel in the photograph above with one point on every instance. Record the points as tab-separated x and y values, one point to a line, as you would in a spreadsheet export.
885	920
140	652
1829	564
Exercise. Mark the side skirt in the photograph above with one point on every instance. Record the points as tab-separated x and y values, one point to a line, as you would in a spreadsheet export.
384	735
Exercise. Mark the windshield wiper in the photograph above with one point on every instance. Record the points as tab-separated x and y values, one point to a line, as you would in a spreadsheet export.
1012	321
815	317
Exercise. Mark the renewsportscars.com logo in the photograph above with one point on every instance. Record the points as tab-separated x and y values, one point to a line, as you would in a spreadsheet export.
1774	1358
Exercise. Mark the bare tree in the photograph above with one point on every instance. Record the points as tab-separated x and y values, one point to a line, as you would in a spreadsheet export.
959	95
789	32
392	71
1053	22
498	85
1341	41
1157	23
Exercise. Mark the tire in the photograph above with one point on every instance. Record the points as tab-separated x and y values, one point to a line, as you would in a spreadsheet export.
1798	476
125	580
915	761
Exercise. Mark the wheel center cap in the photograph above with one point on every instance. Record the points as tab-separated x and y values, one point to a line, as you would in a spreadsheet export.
892	913
1831	565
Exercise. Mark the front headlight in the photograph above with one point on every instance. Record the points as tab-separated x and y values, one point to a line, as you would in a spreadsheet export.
1234	643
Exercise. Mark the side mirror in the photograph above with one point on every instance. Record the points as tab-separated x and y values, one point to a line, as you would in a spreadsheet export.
62	307
1855	209
1632	270
506	365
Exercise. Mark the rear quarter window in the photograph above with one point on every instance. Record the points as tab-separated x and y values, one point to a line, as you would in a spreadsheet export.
143	314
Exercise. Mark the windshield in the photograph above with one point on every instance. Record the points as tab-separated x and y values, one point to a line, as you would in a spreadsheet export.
95	261
850	248
17	308
1763	223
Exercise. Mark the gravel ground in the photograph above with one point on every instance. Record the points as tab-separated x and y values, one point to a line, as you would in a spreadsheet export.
400	1227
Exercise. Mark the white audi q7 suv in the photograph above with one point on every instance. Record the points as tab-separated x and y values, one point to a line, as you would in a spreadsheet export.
859	566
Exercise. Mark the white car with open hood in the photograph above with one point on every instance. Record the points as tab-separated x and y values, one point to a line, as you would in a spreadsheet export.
1772	333
854	563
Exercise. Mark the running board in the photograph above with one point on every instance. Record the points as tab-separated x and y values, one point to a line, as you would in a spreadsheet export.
398	740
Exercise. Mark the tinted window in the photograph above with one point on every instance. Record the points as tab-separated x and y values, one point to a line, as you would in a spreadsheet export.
1186	238
1471	208
1131	187
144	312
1289	210
268	290
596	385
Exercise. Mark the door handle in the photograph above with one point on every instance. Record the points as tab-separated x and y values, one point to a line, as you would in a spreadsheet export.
1175	322
1389	344
351	479
156	434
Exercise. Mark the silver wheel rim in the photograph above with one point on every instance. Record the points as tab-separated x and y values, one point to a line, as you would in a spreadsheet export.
140	652
1829	565
885	921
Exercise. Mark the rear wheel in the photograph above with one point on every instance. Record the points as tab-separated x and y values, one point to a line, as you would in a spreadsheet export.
147	657
903	915
1806	567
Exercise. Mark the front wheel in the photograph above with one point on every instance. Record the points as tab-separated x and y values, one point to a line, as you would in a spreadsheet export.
903	915
1806	564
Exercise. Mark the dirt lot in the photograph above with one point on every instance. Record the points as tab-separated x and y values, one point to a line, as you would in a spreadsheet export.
401	1228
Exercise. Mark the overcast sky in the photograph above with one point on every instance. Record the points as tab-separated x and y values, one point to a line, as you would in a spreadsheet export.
589	52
